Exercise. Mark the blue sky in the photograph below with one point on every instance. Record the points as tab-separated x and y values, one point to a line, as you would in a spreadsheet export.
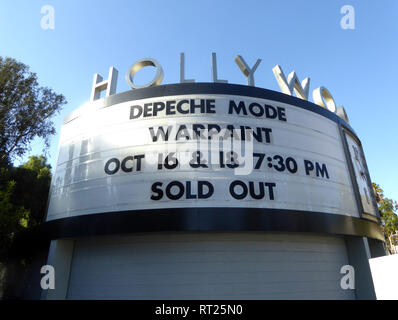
359	67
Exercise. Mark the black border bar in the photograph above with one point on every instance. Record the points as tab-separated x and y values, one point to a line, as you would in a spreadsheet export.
205	219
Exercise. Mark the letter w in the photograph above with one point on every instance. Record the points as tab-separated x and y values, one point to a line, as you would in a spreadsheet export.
160	132
292	83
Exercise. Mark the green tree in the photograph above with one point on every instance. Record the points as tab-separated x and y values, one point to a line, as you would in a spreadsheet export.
378	192
388	209
23	197
13	218
33	181
38	165
25	109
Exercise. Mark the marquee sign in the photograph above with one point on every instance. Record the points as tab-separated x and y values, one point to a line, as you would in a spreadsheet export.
207	146
210	156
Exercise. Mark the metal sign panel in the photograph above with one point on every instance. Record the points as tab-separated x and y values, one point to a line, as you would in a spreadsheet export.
190	151
361	176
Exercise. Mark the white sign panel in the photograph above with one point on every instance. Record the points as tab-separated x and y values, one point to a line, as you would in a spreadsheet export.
200	151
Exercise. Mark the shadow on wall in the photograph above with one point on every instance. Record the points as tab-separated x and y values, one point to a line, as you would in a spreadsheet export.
20	273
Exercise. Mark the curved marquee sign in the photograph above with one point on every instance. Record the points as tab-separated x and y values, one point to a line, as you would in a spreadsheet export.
208	146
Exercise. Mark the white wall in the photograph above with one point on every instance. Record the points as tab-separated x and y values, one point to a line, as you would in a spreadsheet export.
385	276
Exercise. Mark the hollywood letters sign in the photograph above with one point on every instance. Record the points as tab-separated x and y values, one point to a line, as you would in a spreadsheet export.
209	145
289	85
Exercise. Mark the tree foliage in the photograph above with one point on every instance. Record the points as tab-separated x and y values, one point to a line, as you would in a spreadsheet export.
26	112
25	109
23	197
12	217
378	192
388	209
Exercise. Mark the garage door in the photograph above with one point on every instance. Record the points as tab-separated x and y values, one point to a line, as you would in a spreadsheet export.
208	266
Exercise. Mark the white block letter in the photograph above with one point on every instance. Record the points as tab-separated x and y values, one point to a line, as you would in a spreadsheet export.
249	73
182	70
146	62
322	97
292	83
214	69
109	85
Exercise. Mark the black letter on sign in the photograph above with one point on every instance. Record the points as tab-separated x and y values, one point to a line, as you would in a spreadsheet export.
270	112
253	192
124	162
234	194
271	187
156	189
259	112
189	191
158	106
323	171
201	194
139	158
309	166
180	192
238	109
112	172
139	113
282	114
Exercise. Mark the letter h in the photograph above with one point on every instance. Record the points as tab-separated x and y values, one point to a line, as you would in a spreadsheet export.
109	85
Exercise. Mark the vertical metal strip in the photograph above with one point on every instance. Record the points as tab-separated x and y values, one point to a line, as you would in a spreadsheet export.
351	170
372	195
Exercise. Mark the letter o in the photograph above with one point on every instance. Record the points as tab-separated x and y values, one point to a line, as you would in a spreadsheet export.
260	113
112	172
323	98
157	80
234	194
179	194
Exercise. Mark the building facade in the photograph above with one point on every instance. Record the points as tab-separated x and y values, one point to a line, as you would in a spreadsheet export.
210	191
